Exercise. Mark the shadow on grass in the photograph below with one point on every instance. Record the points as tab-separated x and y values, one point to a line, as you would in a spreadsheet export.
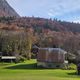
74	73
24	66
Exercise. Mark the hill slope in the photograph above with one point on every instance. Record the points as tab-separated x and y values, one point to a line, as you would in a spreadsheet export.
40	25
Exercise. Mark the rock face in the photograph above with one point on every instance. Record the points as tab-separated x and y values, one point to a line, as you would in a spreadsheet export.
6	9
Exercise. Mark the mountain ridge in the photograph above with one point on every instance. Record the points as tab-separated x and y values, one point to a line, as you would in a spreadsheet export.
7	10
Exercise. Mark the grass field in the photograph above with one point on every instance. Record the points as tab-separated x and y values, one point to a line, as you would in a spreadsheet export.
28	71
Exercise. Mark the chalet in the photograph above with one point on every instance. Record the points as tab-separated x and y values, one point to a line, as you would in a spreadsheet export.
51	57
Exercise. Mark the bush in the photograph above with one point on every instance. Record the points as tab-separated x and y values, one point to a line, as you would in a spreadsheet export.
33	56
72	66
20	59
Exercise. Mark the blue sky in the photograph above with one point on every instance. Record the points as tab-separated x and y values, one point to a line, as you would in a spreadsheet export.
68	10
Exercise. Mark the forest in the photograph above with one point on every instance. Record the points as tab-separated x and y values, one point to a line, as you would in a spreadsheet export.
18	35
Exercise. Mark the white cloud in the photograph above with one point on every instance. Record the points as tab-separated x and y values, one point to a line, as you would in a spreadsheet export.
60	8
50	14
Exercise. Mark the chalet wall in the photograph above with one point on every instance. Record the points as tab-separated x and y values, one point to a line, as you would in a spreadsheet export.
51	58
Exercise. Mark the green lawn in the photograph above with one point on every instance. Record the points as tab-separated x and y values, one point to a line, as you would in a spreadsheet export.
28	71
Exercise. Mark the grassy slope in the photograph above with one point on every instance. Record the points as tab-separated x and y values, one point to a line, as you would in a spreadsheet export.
28	71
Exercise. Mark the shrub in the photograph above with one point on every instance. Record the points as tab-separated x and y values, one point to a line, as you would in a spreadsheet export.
72	66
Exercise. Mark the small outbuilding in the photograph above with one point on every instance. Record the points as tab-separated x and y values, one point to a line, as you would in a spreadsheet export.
51	57
7	58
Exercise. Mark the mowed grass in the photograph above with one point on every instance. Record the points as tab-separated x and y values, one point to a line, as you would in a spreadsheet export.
29	71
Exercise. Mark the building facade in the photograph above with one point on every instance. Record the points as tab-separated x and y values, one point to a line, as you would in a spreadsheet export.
51	57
